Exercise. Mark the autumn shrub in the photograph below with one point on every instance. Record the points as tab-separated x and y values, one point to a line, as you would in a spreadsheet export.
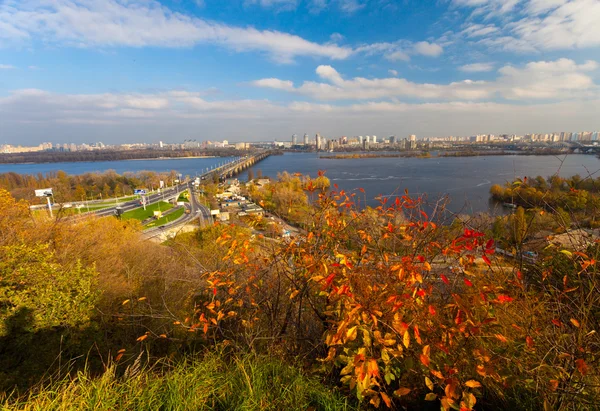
402	314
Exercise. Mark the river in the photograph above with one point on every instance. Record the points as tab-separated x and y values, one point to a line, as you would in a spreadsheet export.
465	180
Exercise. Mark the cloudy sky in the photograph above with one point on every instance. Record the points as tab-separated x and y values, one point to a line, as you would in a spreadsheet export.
248	70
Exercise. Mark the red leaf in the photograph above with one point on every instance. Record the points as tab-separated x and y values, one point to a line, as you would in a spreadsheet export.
468	283
529	341
215	291
504	298
556	322
581	366
431	310
486	259
489	244
445	279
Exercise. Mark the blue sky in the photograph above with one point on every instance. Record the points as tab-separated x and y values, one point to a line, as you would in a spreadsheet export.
242	70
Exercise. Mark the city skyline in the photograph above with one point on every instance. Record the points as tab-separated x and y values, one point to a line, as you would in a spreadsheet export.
141	70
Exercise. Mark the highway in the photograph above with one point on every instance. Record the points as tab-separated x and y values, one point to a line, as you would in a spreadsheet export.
196	209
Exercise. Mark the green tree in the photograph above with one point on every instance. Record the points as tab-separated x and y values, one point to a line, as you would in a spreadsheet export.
55	295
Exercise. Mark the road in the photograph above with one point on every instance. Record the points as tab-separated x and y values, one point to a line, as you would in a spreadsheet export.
197	210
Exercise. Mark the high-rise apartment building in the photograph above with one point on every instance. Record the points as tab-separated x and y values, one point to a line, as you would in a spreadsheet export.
294	139
305	139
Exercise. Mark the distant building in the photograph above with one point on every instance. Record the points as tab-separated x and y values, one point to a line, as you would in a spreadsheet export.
305	139
412	137
294	139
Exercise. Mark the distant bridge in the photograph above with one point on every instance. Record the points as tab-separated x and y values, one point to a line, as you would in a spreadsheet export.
236	167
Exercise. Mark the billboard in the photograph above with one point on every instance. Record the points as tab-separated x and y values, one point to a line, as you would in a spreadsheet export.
139	192
45	192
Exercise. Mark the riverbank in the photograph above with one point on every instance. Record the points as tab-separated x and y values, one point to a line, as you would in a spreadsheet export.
376	155
113	155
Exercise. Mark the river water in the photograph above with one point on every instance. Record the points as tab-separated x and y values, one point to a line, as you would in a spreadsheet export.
464	180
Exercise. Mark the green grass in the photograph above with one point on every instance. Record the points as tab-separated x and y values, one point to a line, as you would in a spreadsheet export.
141	214
210	383
183	197
166	219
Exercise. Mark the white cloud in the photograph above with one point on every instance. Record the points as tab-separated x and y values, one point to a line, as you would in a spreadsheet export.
428	49
336	37
35	114
33	68
139	23
7	67
393	72
360	88
274	83
351	6
477	67
279	5
400	50
317	6
539	25
397	55
548	80
479	30
573	24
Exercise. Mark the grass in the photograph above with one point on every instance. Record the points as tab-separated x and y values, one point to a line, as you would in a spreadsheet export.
141	214
183	197
210	383
166	219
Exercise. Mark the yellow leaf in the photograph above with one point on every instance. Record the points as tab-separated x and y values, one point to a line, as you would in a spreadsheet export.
473	384
426	350
406	339
567	253
163	336
293	294
125	302
431	397
402	391
429	383
575	322
142	338
142	299
351	334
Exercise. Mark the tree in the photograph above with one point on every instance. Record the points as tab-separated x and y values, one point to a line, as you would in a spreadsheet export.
250	174
518	227
259	173
497	192
80	193
106	191
56	295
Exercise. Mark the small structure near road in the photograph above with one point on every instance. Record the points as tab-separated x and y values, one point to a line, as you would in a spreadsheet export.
575	239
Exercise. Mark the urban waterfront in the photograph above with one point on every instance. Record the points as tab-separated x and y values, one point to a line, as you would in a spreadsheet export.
465	180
